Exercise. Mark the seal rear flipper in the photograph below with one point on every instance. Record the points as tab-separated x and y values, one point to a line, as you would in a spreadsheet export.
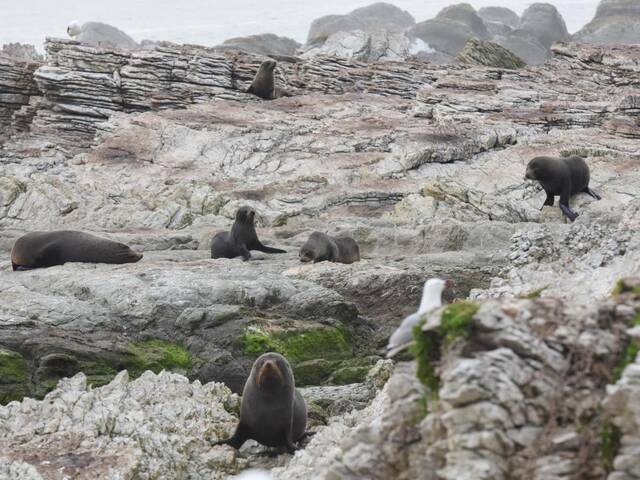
263	248
592	193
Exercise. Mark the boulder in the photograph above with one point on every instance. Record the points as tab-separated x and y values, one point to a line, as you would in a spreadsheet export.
489	54
544	23
375	16
616	21
450	29
366	46
263	44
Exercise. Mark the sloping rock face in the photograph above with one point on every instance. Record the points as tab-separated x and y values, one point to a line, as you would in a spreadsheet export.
516	394
423	165
366	46
616	21
489	54
543	22
451	28
375	16
263	44
502	15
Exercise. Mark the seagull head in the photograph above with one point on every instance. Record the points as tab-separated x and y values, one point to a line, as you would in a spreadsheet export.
432	294
74	29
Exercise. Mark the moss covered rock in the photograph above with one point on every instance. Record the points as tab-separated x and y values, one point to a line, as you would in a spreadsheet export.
318	353
13	376
455	322
156	355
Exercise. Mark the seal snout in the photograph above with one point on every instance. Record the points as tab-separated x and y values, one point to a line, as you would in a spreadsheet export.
269	374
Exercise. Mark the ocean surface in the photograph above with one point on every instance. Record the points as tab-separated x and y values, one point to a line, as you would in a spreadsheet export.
210	22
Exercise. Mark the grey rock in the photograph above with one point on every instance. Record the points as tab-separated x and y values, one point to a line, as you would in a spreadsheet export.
378	15
502	15
615	21
263	44
450	29
365	46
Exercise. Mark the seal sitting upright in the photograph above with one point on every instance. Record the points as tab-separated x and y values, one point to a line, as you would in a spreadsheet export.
561	176
272	412
240	239
321	247
263	84
46	249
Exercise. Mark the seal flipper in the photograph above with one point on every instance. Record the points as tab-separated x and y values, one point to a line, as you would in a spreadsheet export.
244	251
263	248
592	193
250	90
571	215
549	201
564	203
238	438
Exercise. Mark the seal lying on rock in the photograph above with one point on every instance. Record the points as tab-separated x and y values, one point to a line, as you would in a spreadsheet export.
431	299
263	84
321	247
272	412
46	249
561	176
240	239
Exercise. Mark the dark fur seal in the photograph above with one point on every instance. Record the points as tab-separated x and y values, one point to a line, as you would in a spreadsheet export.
263	84
321	247
561	176
273	412
46	249
240	239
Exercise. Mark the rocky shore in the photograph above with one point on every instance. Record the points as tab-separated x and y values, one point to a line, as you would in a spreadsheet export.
422	164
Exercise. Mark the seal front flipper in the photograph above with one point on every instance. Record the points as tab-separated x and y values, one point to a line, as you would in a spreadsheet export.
592	193
571	215
246	254
238	438
548	202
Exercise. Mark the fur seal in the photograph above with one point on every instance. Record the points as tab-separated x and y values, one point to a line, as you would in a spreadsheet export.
272	412
263	84
321	247
46	249
561	176
240	239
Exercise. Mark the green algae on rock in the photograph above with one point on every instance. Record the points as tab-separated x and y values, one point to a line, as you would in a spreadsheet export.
13	369
455	322
156	355
317	354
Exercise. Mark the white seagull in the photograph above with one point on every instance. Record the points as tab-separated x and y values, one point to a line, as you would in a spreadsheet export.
431	299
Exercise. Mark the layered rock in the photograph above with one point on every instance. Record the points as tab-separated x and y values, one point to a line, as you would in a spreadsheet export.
372	17
423	165
18	89
616	21
489	54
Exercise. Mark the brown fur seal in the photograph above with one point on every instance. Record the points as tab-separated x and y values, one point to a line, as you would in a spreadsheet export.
46	249
561	176
272	412
321	247
263	84
240	239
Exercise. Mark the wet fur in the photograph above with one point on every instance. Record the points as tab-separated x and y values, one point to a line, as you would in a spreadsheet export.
241	239
46	249
273	412
324	248
561	176
263	84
